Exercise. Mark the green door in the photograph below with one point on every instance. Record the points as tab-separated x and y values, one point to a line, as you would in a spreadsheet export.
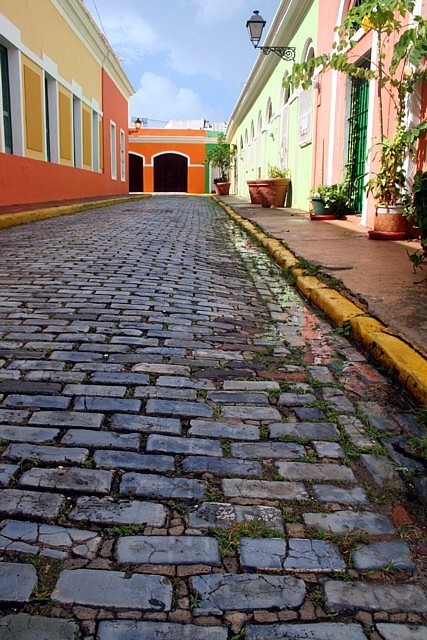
357	140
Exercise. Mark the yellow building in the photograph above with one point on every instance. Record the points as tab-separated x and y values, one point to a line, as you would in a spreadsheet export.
64	99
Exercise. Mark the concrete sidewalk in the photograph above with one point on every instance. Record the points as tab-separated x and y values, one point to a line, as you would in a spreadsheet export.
378	275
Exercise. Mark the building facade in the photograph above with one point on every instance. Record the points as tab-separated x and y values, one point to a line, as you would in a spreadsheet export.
329	130
64	99
346	113
271	126
170	160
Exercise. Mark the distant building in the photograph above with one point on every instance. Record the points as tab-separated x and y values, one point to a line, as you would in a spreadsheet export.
64	99
170	160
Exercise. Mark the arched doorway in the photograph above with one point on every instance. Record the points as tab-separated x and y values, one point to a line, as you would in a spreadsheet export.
136	173
170	172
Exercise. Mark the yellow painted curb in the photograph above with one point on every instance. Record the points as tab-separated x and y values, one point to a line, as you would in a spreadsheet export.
363	326
338	308
285	258
25	217
406	364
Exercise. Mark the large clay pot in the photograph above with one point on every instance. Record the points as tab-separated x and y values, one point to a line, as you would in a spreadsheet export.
273	191
254	193
389	224
222	188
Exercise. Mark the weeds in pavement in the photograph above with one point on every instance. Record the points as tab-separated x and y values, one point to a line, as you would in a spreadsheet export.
28	462
309	456
328	410
179	507
124	530
291	518
214	492
308	268
345	543
89	463
264	433
345	330
419	446
48	570
269	471
226	448
317	597
217	412
228	539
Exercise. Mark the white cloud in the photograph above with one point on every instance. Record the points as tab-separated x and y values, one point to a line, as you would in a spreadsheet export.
159	98
130	35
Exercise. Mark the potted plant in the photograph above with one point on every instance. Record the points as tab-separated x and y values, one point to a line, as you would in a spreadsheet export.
273	189
220	156
395	74
330	201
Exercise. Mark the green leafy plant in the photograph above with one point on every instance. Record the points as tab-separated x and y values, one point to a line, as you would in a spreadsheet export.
335	198
395	75
220	156
276	172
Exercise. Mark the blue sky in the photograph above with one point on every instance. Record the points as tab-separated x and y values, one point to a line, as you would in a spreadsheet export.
186	59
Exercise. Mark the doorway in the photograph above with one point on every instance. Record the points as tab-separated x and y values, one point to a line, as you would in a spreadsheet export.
357	139
136	173
170	172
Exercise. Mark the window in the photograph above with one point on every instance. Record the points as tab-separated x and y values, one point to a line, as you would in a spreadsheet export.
284	127
5	95
305	104
95	142
77	131
269	112
113	151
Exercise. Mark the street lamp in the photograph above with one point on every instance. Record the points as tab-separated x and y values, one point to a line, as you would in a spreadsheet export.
138	124
255	26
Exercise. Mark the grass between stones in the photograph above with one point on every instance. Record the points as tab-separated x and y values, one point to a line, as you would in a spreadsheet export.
228	539
123	530
48	570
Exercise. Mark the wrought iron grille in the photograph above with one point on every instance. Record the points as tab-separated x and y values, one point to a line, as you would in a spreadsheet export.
357	140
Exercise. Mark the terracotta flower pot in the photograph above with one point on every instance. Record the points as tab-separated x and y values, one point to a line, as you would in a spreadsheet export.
254	193
390	224
222	188
273	191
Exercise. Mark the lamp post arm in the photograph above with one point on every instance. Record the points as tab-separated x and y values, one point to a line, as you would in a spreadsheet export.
286	53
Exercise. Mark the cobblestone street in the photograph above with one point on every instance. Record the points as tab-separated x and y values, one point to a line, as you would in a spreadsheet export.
188	449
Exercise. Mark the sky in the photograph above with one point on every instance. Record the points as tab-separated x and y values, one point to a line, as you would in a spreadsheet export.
186	59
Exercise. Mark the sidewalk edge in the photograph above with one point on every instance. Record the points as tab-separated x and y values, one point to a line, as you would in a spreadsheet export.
32	215
400	358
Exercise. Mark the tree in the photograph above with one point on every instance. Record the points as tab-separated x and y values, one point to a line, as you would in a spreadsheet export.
220	156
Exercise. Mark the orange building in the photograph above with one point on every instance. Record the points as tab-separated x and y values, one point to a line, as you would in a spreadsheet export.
170	160
64	99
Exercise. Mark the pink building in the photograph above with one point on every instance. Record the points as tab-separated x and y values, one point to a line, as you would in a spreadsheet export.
345	114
